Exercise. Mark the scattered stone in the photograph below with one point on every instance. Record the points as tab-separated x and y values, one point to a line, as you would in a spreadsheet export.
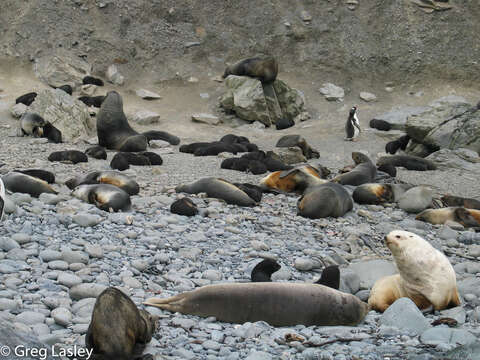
332	92
62	316
416	199
367	97
147	94
18	110
61	68
83	291
113	75
441	335
206	119
146	117
86	220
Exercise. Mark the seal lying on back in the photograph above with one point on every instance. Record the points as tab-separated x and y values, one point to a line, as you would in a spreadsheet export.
218	188
408	162
104	196
451	200
118	329
324	200
425	275
263	68
364	171
466	217
111	177
279	304
22	183
293	180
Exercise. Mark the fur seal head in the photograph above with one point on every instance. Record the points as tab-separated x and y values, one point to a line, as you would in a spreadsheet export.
263	271
330	277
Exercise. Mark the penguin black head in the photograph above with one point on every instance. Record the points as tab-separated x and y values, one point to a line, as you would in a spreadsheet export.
353	110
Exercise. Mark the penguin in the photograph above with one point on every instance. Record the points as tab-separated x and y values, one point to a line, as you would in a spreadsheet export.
352	127
2	198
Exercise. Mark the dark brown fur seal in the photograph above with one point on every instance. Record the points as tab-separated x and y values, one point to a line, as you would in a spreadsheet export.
95	101
263	68
97	152
22	183
364	171
115	178
451	200
106	197
67	88
184	207
118	329
408	162
329	199
279	304
378	193
299	141
380	125
92	80
26	99
293	180
466	217
330	277
254	191
262	272
50	132
73	156
401	143
30	123
40	174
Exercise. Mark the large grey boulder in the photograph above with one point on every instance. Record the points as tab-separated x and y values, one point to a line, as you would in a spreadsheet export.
292	101
61	69
416	199
441	335
289	155
405	315
370	271
461	159
397	117
67	114
332	92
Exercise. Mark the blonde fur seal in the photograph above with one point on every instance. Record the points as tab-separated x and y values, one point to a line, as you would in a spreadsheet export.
466	217
425	275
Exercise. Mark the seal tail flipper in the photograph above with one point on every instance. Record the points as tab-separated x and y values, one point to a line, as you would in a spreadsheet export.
161	135
173	303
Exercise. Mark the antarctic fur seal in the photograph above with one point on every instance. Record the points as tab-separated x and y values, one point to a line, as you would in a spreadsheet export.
30	122
22	183
97	152
254	191
372	193
409	162
284	123
425	275
330	277
44	175
364	171
401	143
118	329
66	88
263	68
380	125
262	272
466	217
73	156
299	141
184	206
50	132
122	160
388	169
90	80
111	177
294	180
95	101
104	196
320	201
279	304
26	99
451	200
218	188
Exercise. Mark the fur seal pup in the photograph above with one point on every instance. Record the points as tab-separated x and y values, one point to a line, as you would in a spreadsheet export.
118	329
393	146
50	132
97	152
218	188
372	193
2	198
262	272
154	158
44	175
26	99
279	304
409	162
364	171
388	169
352	126
67	88
330	277
263	68
284	123
73	156
104	196
122	160
95	101
294	180
191	148
90	80
30	123
161	135
466	217
184	206
254	191
380	125
329	199
234	139
425	275
111	177
22	183
451	200
299	141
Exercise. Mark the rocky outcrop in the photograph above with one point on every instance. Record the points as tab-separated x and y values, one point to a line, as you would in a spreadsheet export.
62	69
397	117
461	159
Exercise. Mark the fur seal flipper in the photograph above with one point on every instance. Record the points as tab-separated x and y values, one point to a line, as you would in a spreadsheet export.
279	304
161	135
22	183
262	272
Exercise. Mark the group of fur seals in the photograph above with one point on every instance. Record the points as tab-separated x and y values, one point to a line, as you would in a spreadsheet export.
364	171
263	68
26	99
22	183
106	197
352	126
329	199
184	206
262	272
425	275
298	141
255	162
374	194
97	152
73	156
279	304
294	180
466	217
409	162
393	146
122	160
118	329
115	178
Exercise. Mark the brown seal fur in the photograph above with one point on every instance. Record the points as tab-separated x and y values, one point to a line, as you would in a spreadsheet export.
364	171
263	68
293	180
279	304
425	275
451	200
118	329
329	199
111	177
104	196
466	217
372	193
408	162
23	183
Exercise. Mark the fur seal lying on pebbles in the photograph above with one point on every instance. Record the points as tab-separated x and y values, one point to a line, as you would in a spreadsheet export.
364	171
87	80
262	272
97	152
184	206
254	191
26	99
451	200
293	180
330	277
115	178
22	183
104	196
372	193
44	175
118	329
389	169
408	162
122	160
50	132
30	122
263	68
256	162
218	188
95	101
425	275
466	217
279	304
401	143
73	156
299	141
329	199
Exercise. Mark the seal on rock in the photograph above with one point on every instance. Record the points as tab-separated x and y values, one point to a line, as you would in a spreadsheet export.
409	162
466	217
425	275
30	123
263	68
372	193
118	329
97	152
451	200
115	178
87	80
73	156
104	196
184	206
26	184
329	199
26	99
218	188
67	88
293	180
330	277
364	171
262	272
44	175
279	304
401	143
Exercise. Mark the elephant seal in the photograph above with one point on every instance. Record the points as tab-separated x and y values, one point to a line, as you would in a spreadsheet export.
364	171
2	198
263	68
425	275
451	200
97	152
466	217
262	272
90	80
184	206
293	180
372	193
218	188
26	99
50	132
118	329
329	199
299	141
279	304
22	183
30	123
95	101
409	162
115	178
73	156
113	130
330	277
40	174
401	143
104	196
